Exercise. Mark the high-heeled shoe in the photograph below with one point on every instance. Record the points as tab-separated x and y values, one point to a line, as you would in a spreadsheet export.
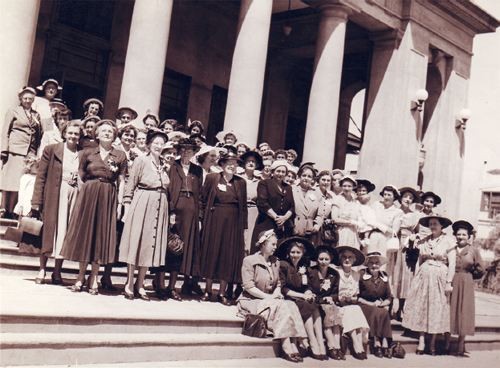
142	295
94	291
333	353
432	352
77	287
128	294
206	297
378	352
291	358
107	285
387	353
172	294
296	355
462	354
359	356
56	281
40	278
419	352
223	300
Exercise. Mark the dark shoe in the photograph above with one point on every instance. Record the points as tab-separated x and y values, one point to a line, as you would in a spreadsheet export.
359	356
378	353
223	300
238	291
77	287
365	357
161	294
333	353
432	352
56	281
195	288
106	284
291	358
317	356
172	294
462	354
187	289
296	355
387	352
94	291
419	352
206	297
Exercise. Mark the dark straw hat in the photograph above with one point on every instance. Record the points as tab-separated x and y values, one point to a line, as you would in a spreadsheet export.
152	133
325	248
437	199
254	154
444	221
370	187
462	224
416	196
360	257
281	252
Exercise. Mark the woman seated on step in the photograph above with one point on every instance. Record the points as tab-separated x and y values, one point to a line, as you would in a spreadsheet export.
262	295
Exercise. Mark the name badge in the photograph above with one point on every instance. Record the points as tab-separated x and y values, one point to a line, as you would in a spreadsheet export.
222	187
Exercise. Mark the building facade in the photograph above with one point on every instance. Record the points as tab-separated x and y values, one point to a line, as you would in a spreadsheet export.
280	71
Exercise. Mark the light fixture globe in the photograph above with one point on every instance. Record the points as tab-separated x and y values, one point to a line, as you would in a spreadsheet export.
465	114
421	96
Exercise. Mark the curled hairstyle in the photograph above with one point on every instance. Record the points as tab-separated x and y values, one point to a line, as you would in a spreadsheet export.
127	129
72	123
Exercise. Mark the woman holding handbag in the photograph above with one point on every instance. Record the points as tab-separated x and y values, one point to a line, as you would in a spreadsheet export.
54	196
145	233
262	292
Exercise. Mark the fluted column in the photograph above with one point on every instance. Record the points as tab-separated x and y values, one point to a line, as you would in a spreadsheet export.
146	55
319	141
246	82
18	21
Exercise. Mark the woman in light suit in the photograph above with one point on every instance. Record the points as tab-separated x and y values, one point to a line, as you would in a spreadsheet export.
21	135
306	203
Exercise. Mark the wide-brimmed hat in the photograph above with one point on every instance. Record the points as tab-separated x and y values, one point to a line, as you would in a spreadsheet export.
176	135
360	257
102	122
150	113
125	108
152	133
25	89
93	100
437	199
281	251
254	154
42	87
57	101
226	155
381	258
462	224
279	163
370	187
416	196
221	135
325	248
168	145
444	221
186	142
205	149
350	178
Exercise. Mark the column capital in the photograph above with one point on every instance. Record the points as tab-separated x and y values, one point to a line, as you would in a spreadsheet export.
333	8
387	40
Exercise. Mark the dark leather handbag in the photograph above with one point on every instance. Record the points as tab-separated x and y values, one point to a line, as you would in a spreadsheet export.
254	326
477	272
398	351
175	245
330	233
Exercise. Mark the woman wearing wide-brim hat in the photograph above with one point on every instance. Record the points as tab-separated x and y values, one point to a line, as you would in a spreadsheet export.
49	89
184	191
374	297
93	107
126	114
250	162
429	201
469	266
353	320
295	272
21	135
427	309
406	258
224	207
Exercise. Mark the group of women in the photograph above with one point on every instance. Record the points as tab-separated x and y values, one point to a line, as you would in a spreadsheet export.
130	194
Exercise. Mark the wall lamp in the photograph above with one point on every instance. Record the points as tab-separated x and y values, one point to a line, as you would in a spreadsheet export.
464	116
421	96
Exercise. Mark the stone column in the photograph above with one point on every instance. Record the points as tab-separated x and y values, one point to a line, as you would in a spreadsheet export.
18	21
390	147
319	141
246	82
146	55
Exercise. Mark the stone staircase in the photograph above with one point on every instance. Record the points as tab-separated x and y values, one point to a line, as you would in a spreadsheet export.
47	324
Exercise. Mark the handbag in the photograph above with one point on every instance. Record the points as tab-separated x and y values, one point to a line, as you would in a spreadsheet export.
477	272
330	233
31	225
392	245
175	245
398	351
254	325
13	234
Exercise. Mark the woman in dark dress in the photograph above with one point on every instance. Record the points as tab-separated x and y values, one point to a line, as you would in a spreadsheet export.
462	308
224	203
275	203
324	283
54	196
184	191
294	279
91	235
88	126
374	297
